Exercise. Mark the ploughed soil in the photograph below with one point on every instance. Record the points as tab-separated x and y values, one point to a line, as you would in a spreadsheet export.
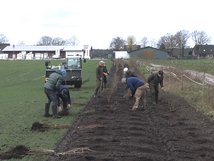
108	130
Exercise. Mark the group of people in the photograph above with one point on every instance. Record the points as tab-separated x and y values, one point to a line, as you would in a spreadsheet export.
56	91
58	94
136	87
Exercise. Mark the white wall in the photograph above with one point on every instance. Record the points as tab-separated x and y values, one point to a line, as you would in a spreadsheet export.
70	54
121	54
3	56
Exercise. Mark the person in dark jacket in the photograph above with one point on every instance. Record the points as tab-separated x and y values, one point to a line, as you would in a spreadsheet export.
64	95
154	80
136	88
99	78
51	89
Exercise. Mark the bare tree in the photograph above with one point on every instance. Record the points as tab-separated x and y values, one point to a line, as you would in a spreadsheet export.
117	43
168	41
152	43
200	37
72	41
144	42
58	41
181	38
131	41
45	41
178	40
3	38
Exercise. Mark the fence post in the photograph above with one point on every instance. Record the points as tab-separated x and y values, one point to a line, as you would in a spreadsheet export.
182	82
203	97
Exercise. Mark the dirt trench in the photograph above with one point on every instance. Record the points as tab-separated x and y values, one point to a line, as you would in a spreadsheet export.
169	131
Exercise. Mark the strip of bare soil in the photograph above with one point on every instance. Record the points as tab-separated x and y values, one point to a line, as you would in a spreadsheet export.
170	131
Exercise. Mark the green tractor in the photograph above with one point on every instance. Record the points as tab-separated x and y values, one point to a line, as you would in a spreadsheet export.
73	67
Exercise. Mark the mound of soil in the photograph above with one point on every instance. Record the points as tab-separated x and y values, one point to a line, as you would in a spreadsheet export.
169	131
18	152
40	127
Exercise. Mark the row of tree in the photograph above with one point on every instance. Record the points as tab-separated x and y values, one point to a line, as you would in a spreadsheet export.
47	41
168	41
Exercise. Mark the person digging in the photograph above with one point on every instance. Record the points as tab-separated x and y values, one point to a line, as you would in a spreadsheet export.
51	88
135	88
155	80
64	95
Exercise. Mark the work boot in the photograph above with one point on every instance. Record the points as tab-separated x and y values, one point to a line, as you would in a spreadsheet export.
55	114
47	105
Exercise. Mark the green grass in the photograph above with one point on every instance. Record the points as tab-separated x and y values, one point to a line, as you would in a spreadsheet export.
201	99
22	101
201	65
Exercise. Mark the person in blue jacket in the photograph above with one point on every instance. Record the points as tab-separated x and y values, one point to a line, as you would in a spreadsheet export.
64	95
136	88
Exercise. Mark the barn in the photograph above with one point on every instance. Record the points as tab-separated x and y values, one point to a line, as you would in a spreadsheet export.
149	53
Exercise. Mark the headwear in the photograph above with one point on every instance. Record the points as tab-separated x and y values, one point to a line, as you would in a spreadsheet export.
123	80
101	62
125	70
63	72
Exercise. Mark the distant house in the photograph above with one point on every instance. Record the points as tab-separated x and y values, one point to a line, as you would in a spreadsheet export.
2	46
149	53
45	52
203	51
102	53
83	52
180	53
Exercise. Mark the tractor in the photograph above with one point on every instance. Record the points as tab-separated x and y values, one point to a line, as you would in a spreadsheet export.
73	67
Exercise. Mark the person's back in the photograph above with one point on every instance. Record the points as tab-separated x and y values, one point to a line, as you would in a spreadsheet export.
133	83
54	81
136	86
155	79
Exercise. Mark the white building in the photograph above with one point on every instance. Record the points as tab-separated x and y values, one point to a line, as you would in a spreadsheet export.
121	54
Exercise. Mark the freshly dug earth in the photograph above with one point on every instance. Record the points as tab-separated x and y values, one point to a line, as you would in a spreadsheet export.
111	131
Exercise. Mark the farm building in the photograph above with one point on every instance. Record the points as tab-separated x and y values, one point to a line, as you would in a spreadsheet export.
149	53
203	51
44	52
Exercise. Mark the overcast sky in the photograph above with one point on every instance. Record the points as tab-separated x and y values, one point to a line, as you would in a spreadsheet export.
96	22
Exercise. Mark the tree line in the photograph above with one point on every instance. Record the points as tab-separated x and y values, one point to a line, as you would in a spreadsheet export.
167	41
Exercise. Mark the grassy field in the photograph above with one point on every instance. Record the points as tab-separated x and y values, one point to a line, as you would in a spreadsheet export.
201	97
201	65
22	102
